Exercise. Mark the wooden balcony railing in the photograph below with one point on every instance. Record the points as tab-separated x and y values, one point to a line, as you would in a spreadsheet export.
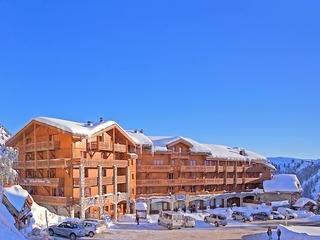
193	168
239	181
53	200
107	180
210	168
154	168
255	169
220	168
121	179
230	168
239	169
106	146
180	182
229	181
46	182
95	162
180	155
40	146
249	180
213	181
88	182
41	164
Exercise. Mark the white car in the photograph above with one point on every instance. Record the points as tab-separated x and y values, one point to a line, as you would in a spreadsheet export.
287	212
171	219
217	219
277	215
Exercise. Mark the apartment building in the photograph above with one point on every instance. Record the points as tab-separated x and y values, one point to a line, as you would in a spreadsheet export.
178	172
97	168
76	169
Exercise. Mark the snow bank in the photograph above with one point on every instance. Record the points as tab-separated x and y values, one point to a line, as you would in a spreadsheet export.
16	195
7	229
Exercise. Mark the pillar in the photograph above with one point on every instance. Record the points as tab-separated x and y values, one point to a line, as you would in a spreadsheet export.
100	190
128	189
71	210
115	190
81	183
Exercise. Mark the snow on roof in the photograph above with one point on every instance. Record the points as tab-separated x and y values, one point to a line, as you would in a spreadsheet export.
76	128
139	138
16	195
141	206
282	183
303	201
220	151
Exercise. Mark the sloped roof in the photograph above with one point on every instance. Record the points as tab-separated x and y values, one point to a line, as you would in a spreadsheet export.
160	144
303	201
282	183
16	195
76	128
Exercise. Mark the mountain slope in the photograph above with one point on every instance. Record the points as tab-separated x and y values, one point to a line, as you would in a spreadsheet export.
307	171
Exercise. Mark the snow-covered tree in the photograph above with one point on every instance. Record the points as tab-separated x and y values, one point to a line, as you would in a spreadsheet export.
7	156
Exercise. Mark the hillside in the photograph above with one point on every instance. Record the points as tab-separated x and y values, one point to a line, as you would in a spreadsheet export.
307	171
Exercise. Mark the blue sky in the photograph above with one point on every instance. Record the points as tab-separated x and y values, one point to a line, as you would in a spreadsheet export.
236	73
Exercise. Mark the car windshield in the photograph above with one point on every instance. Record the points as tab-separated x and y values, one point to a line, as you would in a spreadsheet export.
177	217
222	217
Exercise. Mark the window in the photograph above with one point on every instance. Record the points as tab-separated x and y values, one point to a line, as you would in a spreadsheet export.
173	149
104	189
138	190
192	162
170	175
180	149
50	138
132	190
104	172
183	188
193	175
172	162
139	162
132	176
86	172
193	189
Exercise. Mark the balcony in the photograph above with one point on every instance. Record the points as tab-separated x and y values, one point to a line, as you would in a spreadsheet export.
42	164
40	146
239	168
154	168
255	169
121	179
106	146
95	162
220	168
252	180
180	155
45	182
53	200
230	168
239	180
193	168
107	180
210	168
88	182
229	181
214	181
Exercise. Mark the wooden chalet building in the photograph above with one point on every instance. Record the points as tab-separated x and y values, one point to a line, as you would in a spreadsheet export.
90	169
178	172
76	169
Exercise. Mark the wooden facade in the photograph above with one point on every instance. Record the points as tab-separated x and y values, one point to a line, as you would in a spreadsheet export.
75	175
96	169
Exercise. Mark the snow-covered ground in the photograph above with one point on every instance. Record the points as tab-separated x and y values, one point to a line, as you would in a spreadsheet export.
38	220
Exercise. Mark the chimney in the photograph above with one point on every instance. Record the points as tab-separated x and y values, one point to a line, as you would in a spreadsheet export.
141	130
135	131
101	120
89	123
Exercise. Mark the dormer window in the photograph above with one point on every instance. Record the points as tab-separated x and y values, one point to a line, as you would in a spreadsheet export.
180	149
173	149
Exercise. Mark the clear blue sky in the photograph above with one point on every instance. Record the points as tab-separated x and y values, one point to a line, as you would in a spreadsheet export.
236	73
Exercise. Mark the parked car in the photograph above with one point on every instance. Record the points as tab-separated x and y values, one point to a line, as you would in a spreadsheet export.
277	215
243	216
67	229
287	212
102	223
92	228
189	222
263	216
171	219
217	219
